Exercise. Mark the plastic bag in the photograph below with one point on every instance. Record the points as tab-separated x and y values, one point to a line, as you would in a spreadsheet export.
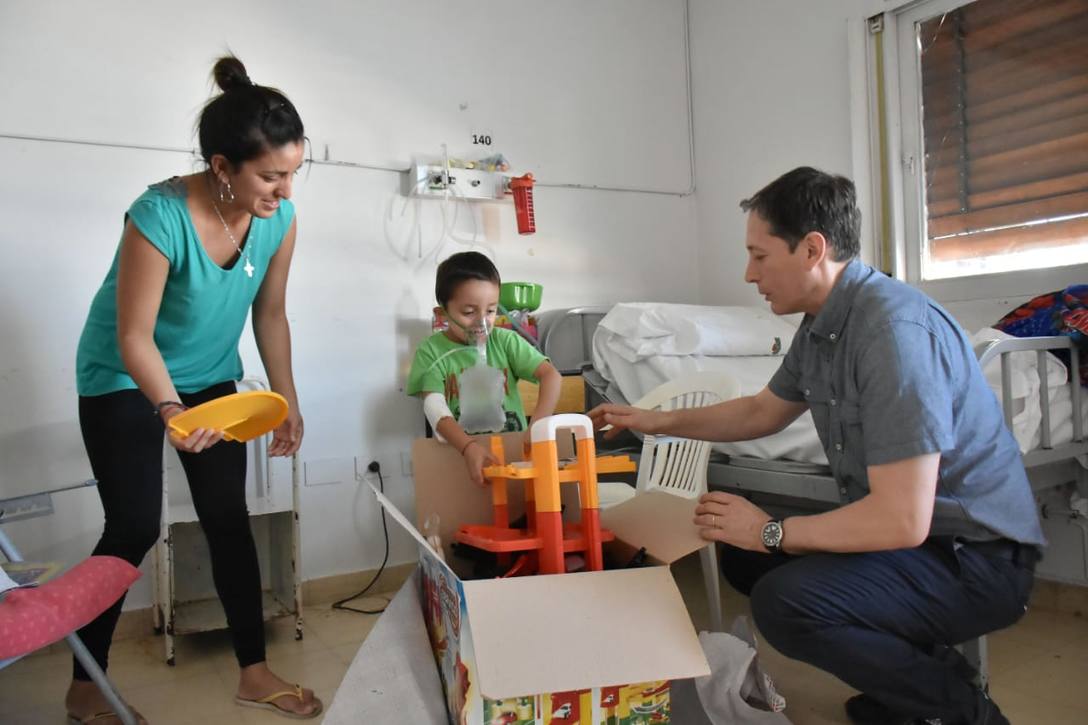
737	691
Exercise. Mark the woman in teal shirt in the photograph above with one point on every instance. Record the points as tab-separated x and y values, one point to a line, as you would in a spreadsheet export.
162	334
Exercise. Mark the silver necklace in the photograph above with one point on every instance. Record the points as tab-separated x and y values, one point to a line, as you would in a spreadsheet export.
249	268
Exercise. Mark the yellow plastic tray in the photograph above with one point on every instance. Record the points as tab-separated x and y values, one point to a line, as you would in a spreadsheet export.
241	416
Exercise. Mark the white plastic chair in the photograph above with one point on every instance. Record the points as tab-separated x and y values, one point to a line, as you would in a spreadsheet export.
677	465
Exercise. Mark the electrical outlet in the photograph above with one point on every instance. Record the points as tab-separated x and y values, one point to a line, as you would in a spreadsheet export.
362	468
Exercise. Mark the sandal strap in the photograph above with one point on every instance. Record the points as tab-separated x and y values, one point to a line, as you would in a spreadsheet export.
97	716
297	693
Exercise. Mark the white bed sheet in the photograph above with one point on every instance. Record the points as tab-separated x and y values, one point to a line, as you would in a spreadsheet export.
798	442
612	357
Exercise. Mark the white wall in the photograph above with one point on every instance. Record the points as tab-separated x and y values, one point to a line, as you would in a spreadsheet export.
772	86
360	295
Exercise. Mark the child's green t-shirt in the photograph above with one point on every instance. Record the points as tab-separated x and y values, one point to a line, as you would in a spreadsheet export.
506	350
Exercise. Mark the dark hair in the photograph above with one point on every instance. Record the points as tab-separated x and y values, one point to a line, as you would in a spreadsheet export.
246	119
808	200
461	267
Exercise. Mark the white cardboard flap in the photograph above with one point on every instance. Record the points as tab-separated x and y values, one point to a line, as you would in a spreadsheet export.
563	632
392	510
662	522
443	488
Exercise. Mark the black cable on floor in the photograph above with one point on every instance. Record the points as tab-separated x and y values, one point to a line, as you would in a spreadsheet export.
374	468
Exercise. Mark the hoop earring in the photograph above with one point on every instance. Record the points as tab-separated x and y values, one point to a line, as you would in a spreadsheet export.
228	197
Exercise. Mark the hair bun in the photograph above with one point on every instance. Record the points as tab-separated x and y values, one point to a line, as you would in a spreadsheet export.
229	73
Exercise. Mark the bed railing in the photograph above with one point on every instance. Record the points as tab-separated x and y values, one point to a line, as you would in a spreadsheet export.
1041	346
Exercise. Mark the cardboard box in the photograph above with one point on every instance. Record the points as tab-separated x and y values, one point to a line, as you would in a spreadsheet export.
393	678
591	648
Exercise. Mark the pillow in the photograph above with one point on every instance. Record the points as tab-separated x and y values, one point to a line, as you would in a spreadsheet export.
653	328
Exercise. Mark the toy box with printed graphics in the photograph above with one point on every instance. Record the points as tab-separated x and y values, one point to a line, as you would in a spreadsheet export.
593	648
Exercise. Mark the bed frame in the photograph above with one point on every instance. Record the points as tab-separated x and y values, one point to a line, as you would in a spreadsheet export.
1048	466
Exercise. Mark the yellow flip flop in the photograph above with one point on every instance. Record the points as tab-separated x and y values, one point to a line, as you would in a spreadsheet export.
266	703
241	416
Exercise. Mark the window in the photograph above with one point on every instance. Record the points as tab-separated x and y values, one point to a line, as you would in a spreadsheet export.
993	96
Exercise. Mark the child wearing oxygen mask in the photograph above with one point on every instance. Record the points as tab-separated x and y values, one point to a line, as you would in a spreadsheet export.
467	375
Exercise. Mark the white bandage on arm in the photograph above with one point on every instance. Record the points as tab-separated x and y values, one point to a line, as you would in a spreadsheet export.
435	408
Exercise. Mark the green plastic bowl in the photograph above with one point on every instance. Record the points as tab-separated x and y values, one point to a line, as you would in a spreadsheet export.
520	295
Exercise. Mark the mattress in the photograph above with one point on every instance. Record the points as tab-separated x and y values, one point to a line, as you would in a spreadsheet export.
635	352
639	346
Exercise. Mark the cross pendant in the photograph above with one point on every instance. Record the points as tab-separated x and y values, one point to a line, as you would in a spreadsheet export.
249	267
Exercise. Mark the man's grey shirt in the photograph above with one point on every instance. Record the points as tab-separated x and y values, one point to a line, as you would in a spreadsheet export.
889	375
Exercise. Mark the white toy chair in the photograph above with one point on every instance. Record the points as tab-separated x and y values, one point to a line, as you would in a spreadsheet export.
678	465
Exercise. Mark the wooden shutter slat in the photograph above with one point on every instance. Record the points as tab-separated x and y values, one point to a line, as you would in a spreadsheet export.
985	31
1017	166
1047	112
1027	138
999	216
1035	49
1057	234
1045	91
1027	19
1010	195
982	90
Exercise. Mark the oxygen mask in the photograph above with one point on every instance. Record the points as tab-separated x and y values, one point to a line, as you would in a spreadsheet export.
476	329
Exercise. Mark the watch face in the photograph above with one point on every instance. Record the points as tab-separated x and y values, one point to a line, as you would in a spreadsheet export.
772	534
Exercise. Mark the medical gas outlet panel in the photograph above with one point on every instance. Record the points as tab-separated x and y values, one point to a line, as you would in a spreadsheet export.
437	181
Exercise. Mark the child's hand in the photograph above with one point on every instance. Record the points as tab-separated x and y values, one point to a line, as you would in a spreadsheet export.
477	457
527	445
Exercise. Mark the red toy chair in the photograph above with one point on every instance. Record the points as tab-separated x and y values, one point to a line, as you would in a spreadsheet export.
32	618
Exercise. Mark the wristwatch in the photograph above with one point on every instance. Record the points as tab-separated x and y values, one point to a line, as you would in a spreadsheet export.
771	536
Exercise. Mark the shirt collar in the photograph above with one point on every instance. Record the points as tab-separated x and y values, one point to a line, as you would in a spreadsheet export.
831	318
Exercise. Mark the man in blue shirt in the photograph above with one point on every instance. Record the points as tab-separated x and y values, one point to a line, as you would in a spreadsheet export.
937	541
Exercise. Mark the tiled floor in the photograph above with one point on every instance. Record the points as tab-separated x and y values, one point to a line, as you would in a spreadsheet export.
1038	669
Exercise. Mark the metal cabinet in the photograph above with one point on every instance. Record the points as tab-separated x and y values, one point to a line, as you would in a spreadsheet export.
185	600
